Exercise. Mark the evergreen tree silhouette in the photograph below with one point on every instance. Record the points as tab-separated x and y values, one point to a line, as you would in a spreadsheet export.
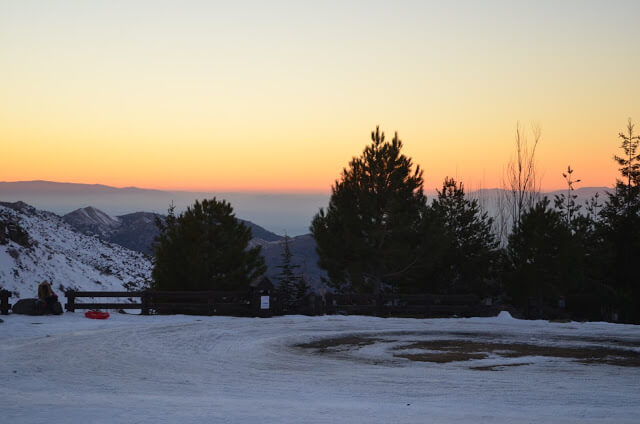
301	289
566	203
471	253
542	259
287	278
204	248
620	227
368	238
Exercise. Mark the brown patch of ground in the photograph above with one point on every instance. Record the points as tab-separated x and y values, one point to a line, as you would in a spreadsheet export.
498	367
339	343
621	362
457	350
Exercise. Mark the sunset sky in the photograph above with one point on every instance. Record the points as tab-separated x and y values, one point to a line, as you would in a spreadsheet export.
278	96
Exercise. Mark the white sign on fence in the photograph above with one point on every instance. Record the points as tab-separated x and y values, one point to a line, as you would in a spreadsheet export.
264	302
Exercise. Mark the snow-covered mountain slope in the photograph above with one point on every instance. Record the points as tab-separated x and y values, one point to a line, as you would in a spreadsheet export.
135	231
91	220
55	252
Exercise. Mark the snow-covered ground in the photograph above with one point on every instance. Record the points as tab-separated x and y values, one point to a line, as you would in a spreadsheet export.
188	369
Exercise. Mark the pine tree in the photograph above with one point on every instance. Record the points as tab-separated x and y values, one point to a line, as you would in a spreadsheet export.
629	165
620	228
566	203
593	207
585	238
287	279
543	262
301	289
205	248
470	257
367	238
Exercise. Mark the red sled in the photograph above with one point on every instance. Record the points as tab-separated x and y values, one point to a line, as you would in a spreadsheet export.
96	315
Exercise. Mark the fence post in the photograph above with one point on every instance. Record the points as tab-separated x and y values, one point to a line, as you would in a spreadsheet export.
330	304
71	300
210	304
255	303
427	301
144	299
379	305
4	301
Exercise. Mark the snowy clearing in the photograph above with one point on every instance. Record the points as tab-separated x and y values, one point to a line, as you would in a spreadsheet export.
190	369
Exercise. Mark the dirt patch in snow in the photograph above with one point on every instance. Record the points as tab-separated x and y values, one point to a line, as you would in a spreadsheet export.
339	343
443	351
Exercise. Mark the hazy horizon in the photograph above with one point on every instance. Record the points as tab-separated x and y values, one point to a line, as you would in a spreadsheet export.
281	213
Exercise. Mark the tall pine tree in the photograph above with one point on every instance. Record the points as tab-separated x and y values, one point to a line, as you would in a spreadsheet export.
368	237
620	226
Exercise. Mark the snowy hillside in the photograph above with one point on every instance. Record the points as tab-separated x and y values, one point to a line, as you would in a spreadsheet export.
92	220
54	251
135	231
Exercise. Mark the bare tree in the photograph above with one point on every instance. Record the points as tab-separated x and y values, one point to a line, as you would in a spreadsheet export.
521	185
501	223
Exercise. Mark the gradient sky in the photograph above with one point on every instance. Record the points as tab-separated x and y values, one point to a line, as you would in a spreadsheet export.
278	96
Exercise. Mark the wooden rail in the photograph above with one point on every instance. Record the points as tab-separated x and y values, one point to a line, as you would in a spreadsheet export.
201	302
72	295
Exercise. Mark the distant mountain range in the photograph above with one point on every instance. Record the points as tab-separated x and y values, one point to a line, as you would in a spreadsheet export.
278	212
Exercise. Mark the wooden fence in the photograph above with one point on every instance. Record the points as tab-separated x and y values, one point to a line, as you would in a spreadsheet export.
249	304
72	305
167	302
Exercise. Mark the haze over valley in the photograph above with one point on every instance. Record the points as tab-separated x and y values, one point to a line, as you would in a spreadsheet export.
280	213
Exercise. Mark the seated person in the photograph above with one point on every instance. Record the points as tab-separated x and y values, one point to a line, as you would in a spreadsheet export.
48	299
